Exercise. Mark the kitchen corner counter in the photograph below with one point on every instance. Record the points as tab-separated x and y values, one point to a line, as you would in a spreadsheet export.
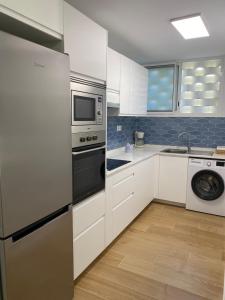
137	155
140	154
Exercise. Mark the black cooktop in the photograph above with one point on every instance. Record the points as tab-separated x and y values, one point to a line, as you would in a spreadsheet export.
115	163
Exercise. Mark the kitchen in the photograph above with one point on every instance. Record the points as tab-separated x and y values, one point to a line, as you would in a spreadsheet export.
112	149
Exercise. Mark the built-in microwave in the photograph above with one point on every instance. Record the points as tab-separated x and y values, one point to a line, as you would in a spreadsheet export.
88	112
87	109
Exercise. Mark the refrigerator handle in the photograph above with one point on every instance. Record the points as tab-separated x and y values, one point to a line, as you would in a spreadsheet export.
35	226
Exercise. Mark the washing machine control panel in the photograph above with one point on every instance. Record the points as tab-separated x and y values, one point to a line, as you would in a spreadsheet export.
207	163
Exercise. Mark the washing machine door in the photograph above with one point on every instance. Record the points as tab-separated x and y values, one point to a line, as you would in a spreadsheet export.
207	185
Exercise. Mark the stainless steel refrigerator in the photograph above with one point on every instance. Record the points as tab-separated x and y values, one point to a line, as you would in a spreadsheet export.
36	256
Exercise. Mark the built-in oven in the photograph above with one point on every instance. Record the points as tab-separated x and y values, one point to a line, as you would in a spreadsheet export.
88	171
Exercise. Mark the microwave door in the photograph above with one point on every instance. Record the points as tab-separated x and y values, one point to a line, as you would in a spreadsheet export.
84	108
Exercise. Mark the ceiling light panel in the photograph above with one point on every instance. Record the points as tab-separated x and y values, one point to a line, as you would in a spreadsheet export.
191	27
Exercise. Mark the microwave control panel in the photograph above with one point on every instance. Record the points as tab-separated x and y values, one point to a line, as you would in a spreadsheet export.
99	110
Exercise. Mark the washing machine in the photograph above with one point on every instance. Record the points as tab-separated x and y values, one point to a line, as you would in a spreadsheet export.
205	187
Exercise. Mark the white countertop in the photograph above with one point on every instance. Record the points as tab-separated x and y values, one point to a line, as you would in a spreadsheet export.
140	154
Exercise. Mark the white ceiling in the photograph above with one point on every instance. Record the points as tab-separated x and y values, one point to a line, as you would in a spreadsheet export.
140	29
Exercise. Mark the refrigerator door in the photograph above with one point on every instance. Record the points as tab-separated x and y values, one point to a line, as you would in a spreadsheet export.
39	265
35	133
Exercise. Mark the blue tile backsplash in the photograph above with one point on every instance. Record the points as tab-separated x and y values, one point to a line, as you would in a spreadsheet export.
120	138
204	132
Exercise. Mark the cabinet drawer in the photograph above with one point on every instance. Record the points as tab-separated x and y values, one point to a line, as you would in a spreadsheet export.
88	212
122	187
88	245
123	214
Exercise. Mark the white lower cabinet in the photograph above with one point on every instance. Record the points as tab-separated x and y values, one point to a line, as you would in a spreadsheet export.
173	178
123	214
156	176
88	231
88	245
122	185
119	188
127	193
144	183
88	212
98	220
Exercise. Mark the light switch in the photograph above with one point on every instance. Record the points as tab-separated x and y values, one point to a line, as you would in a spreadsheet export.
119	128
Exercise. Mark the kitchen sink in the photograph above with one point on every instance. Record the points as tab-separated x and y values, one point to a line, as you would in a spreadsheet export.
177	151
201	152
185	151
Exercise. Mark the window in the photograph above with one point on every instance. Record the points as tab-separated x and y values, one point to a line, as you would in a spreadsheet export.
161	88
195	91
200	86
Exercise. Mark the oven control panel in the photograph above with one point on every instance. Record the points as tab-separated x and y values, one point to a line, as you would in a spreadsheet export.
87	138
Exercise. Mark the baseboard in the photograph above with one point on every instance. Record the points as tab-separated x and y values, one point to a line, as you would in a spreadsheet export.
169	202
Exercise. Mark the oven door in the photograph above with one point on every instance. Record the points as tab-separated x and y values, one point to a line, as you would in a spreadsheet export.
88	173
84	108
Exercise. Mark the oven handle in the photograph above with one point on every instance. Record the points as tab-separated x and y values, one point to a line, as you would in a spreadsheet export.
89	150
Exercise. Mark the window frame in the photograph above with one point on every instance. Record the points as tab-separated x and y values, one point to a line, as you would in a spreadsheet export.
177	86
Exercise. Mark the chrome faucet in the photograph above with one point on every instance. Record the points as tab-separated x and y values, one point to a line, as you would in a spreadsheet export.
187	135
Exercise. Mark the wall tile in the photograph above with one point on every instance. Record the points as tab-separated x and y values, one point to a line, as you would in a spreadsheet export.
204	132
120	138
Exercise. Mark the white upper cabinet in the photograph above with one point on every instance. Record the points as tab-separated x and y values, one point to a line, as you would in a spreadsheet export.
113	78
86	43
133	87
138	100
113	70
46	16
126	81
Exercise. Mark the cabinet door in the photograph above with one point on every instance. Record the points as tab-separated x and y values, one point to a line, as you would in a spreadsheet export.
88	212
123	214
138	99
113	70
126	81
173	178
156	176
46	13
88	245
86	43
119	187
144	183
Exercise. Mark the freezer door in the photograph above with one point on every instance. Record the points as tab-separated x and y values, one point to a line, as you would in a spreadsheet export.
35	133
39	265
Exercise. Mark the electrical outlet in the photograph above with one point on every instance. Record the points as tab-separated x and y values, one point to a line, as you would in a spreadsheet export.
119	128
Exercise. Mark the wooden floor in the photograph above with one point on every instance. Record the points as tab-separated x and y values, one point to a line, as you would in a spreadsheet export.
166	253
